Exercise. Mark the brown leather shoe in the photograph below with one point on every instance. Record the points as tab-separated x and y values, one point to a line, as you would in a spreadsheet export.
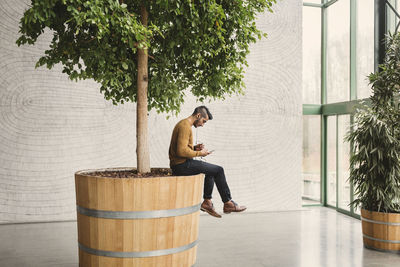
208	206
232	206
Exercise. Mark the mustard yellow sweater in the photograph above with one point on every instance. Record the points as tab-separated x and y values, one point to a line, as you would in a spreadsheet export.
181	147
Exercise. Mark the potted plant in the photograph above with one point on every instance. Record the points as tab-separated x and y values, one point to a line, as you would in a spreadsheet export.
149	52
375	161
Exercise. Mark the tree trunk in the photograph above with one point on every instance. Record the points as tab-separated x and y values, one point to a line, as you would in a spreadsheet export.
142	149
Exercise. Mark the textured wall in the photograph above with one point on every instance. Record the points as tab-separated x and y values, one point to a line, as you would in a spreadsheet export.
51	127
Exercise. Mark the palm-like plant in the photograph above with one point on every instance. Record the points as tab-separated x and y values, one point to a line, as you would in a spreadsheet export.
375	171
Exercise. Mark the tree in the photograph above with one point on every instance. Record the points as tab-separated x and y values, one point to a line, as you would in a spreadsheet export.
148	52
375	162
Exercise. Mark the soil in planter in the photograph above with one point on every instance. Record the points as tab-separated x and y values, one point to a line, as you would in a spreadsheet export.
159	172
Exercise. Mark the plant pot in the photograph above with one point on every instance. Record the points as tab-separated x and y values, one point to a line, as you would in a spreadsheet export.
137	221
381	231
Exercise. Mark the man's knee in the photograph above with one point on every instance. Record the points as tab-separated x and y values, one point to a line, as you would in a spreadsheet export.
220	169
212	169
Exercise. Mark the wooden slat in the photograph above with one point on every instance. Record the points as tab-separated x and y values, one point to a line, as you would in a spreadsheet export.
185	258
139	194
138	235
381	231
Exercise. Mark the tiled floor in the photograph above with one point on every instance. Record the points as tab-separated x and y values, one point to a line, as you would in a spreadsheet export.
310	237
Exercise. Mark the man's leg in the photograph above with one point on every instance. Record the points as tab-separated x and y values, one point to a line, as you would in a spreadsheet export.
217	172
216	175
213	173
192	167
208	187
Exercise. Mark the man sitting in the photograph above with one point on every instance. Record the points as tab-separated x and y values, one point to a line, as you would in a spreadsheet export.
181	154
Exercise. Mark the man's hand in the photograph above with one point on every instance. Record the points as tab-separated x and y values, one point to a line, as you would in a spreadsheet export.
198	147
204	152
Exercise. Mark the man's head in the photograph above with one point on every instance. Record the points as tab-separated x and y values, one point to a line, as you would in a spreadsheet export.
202	115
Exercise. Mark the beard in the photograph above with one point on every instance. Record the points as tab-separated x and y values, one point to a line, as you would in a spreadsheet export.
196	123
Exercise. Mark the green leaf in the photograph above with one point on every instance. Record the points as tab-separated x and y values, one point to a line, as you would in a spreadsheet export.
196	45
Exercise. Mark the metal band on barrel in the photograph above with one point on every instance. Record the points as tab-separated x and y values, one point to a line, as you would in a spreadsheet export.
381	249
137	254
380	222
137	214
382	240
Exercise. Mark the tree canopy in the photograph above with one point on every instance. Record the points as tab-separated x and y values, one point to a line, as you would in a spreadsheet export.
196	44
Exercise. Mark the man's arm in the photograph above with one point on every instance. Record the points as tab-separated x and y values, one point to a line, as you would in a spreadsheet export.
183	150
198	147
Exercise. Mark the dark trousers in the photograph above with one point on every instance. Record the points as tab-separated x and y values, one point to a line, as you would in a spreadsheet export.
214	173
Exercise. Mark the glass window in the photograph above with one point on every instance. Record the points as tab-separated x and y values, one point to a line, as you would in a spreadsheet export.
311	175
338	52
365	46
391	18
331	161
343	163
311	55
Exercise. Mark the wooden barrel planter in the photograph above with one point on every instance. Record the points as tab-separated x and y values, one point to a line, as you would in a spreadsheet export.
381	231
137	221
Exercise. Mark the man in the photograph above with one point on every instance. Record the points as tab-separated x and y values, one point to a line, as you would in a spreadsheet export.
181	154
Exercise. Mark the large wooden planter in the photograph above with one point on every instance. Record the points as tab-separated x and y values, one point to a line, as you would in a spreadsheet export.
381	231
138	221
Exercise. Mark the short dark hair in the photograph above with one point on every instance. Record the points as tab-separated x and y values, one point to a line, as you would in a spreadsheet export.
203	110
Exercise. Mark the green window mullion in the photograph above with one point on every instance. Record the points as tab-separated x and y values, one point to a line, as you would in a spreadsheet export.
324	39
312	4
351	154
337	161
329	3
353	74
312	109
324	120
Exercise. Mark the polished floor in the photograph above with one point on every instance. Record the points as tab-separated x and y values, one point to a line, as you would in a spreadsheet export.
310	237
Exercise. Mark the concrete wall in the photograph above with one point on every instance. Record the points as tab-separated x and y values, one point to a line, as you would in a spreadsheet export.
51	127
